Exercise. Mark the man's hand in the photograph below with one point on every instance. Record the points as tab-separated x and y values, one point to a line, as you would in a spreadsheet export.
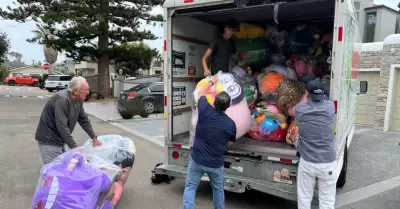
207	72
214	79
96	143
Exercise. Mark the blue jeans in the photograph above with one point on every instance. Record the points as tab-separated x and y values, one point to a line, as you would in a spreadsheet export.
193	176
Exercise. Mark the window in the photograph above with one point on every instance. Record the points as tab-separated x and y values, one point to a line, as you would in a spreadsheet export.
65	78
53	78
397	27
25	76
357	6
370	25
139	87
157	88
358	16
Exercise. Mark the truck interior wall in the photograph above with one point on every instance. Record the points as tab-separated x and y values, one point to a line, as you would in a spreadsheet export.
189	38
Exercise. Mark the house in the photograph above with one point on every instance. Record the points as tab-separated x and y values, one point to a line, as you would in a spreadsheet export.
90	68
380	67
32	70
376	22
156	66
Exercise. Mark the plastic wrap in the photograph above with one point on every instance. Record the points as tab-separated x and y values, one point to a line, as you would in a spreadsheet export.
86	177
115	148
77	179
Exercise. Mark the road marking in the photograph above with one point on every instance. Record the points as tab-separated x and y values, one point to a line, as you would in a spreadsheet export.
17	89
29	89
7	95
23	96
366	192
40	97
7	88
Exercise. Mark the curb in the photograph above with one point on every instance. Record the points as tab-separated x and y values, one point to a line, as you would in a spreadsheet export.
136	133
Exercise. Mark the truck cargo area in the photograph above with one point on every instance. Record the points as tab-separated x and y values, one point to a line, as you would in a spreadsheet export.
198	25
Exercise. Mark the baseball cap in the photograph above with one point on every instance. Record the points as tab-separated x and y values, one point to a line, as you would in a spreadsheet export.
316	90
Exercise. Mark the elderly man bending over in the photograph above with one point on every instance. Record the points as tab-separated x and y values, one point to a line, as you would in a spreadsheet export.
59	118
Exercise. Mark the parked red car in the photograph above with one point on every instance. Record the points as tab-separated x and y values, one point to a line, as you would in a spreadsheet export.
21	80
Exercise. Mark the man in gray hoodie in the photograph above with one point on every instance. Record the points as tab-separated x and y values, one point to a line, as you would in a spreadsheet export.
317	148
58	120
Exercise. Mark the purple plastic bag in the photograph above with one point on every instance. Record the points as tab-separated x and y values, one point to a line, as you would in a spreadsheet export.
70	183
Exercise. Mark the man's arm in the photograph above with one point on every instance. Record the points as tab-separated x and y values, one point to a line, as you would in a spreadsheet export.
207	54
61	119
233	132
85	123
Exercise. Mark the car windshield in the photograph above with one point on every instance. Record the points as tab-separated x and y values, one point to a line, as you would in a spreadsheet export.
139	87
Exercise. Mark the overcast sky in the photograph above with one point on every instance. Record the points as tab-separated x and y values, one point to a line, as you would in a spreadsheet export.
18	33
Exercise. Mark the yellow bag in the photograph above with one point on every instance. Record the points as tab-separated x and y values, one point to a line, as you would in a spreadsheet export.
249	31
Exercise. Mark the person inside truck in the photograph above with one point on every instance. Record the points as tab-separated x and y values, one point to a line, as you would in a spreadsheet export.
317	148
215	131
220	50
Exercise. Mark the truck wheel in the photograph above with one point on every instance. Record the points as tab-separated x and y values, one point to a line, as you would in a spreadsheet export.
50	90
11	83
342	177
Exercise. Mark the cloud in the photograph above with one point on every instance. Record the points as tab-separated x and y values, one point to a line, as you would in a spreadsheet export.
20	32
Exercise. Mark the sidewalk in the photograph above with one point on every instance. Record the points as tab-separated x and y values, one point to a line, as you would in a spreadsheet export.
385	200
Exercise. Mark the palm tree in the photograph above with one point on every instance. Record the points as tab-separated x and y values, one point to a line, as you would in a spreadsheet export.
50	54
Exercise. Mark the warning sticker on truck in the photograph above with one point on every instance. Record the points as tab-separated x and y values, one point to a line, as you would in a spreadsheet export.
283	176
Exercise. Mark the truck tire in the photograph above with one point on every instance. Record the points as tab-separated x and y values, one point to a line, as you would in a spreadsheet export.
11	83
50	90
342	177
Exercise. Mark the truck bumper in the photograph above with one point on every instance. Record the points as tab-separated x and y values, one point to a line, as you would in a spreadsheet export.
240	184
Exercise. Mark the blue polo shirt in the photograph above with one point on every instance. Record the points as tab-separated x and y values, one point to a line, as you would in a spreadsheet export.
213	131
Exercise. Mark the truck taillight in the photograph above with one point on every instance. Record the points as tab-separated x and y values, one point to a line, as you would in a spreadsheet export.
165	101
335	103
175	155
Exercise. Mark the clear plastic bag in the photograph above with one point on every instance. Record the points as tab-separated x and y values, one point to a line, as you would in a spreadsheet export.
115	148
77	179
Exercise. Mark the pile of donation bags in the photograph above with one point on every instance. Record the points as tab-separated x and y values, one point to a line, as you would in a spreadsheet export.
86	177
269	79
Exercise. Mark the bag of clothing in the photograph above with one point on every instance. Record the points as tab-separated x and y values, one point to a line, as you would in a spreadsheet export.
75	179
238	111
292	136
249	31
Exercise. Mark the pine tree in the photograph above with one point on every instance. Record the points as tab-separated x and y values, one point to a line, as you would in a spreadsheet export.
4	47
88	29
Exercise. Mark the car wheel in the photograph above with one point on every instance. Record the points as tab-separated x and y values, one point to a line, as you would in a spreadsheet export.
126	114
50	90
342	177
147	108
11	83
34	83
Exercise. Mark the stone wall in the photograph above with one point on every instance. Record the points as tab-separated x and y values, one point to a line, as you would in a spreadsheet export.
371	59
390	55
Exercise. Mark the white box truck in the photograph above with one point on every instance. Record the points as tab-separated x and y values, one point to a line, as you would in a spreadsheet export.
250	164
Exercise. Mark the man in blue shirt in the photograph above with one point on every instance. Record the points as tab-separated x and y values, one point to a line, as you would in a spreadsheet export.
317	148
215	131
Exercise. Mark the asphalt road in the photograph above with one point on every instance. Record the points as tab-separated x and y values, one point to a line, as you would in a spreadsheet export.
373	158
20	165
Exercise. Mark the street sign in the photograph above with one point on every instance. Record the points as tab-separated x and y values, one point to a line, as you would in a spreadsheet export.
46	66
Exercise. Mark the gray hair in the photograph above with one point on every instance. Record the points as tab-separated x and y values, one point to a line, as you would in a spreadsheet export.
75	83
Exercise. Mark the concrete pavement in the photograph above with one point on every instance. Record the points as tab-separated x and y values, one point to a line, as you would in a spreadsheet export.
20	165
